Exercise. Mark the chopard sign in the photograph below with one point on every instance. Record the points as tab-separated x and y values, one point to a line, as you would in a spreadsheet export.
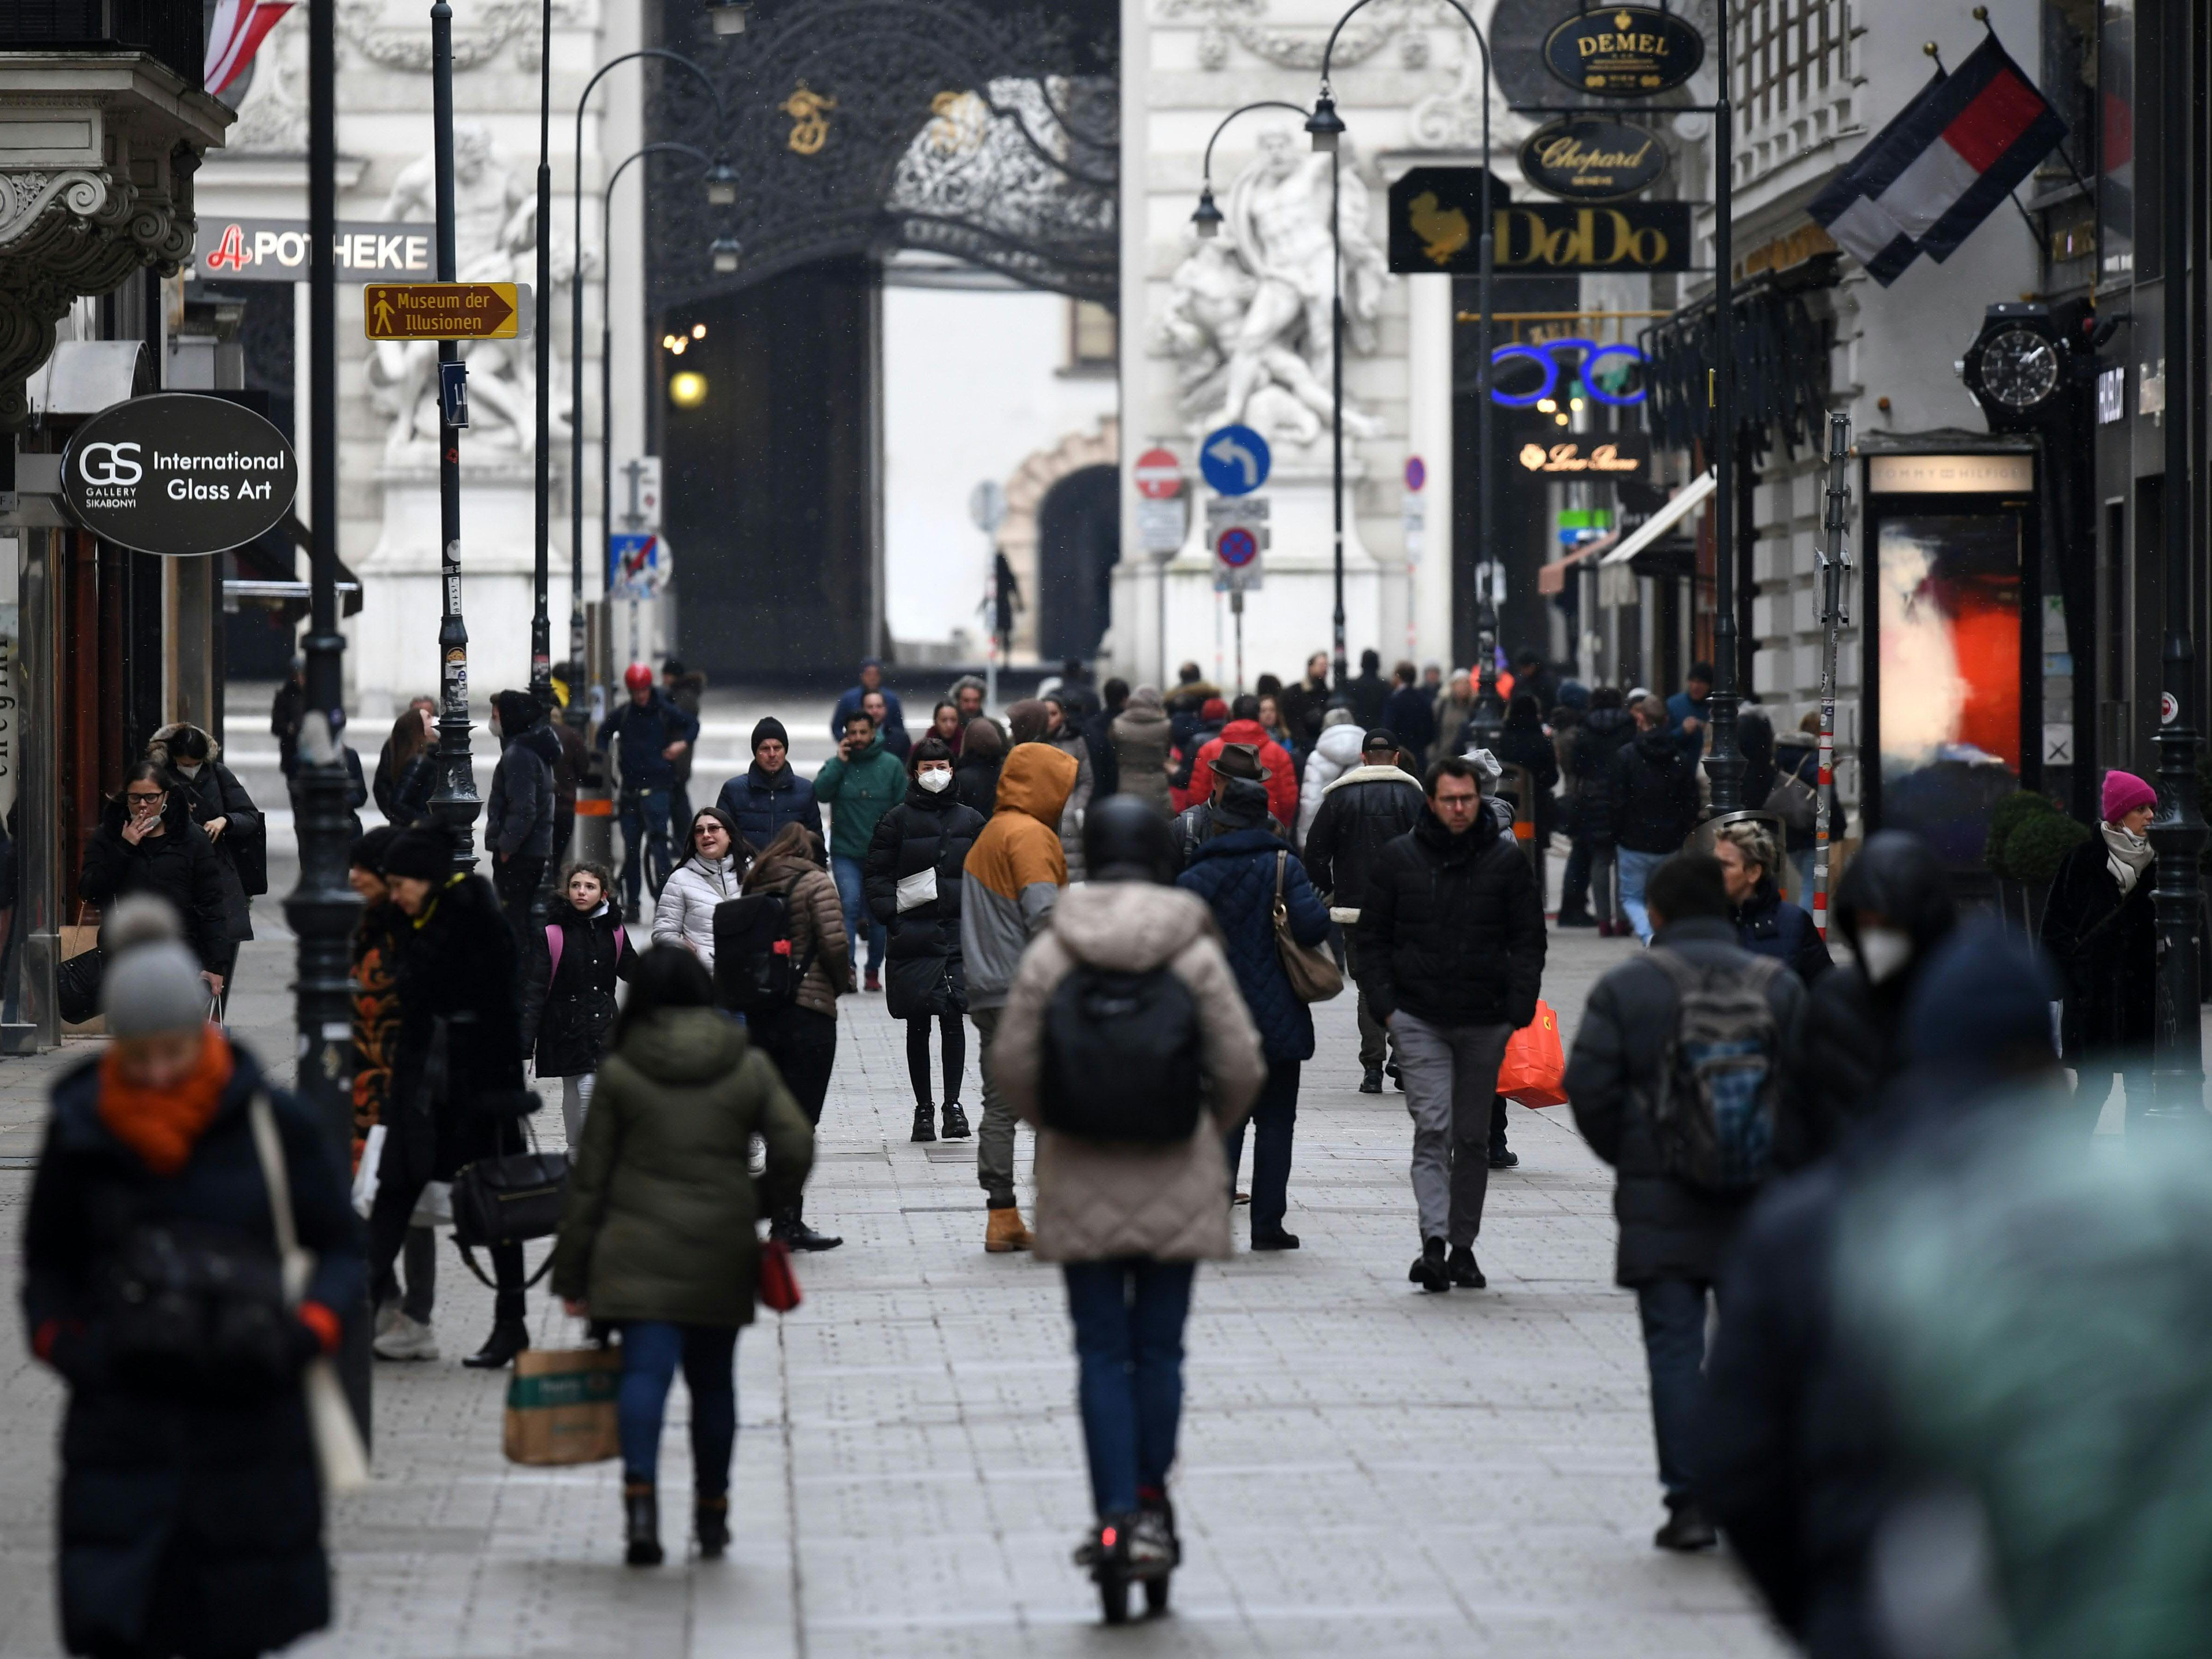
1586	160
1623	51
178	474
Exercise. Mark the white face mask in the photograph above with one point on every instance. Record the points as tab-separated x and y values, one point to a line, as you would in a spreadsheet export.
191	769
936	779
1883	952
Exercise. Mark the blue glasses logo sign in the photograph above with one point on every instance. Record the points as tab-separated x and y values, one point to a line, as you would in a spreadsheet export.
1546	356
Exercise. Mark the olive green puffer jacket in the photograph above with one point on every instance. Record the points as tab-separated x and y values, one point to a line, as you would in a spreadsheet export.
662	1206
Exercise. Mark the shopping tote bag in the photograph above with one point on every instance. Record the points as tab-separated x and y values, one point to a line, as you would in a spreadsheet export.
1535	1072
560	1406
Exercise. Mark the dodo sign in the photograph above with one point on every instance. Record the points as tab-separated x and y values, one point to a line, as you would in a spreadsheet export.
178	474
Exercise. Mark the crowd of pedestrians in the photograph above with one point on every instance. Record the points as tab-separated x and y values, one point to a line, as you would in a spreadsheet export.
1134	897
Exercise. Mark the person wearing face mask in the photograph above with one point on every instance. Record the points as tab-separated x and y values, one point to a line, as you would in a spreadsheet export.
2101	928
226	814
1893	907
912	881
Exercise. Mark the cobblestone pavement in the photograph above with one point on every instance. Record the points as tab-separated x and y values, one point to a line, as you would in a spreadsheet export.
1364	1467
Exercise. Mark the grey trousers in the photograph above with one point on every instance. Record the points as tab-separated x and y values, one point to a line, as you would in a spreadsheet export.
1375	1043
994	1136
1450	1073
575	1101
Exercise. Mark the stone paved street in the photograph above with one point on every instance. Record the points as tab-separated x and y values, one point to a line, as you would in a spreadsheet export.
1364	1467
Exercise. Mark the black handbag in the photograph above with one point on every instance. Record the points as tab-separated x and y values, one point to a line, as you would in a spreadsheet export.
76	986
508	1201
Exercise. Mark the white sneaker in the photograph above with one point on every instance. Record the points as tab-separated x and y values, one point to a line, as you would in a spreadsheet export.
406	1338
386	1313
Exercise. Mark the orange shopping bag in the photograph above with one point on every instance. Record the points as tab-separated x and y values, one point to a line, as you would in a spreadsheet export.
1535	1072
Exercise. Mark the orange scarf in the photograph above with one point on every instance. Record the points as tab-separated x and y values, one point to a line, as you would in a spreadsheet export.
162	1125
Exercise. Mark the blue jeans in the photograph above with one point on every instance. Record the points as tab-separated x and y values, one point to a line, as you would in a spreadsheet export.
651	1350
1636	869
1674	1311
1128	1320
854	899
644	813
1275	1122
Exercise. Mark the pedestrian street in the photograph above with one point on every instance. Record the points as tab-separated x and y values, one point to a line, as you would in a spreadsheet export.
1364	1468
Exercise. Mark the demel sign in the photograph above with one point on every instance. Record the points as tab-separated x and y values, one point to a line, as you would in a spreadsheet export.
178	474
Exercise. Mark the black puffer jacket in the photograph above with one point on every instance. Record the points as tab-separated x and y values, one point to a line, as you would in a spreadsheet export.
243	848
1452	927
1361	813
567	1019
1651	795
1852	1028
1769	925
1528	748
1668	1229
458	993
2108	948
923	975
1603	733
178	864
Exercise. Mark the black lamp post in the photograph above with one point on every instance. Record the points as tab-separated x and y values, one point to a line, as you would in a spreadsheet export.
721	189
2178	832
1724	765
541	628
1327	126
323	907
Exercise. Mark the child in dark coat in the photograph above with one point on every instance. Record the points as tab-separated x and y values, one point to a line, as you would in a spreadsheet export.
568	1003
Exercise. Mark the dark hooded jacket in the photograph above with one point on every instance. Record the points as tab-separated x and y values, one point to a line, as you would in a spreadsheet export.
1235	874
1800	1462
519	815
568	1004
1850	1047
180	865
457	1074
2107	946
976	774
1769	925
1603	733
922	973
242	851
216	1494
1451	928
1361	813
1651	795
1669	1228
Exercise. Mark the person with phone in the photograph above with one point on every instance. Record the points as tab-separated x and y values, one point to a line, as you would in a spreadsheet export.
147	843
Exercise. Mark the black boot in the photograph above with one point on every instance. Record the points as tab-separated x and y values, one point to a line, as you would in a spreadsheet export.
1687	1529
955	1121
925	1122
800	1237
642	1524
1465	1271
710	1519
1429	1271
509	1337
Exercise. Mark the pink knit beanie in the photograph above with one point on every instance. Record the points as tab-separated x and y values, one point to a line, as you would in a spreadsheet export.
2124	792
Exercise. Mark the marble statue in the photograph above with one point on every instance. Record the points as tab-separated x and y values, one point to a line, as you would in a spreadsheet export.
494	224
1248	315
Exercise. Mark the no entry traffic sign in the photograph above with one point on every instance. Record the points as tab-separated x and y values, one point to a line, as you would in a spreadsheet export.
1159	475
442	311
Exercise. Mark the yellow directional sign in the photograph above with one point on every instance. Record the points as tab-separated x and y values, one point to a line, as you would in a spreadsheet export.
442	311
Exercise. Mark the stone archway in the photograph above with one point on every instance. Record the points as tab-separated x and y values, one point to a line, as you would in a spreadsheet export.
1025	492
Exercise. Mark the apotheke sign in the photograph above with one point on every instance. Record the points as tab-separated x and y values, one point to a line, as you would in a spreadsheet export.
178	474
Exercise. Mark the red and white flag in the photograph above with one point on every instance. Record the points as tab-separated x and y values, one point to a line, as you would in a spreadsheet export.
240	28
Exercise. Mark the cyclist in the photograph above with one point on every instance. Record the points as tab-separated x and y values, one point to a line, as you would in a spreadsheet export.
654	733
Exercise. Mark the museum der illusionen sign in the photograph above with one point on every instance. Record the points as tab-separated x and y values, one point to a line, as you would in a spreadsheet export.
1434	212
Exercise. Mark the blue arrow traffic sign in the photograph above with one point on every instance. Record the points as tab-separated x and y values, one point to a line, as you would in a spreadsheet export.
1234	459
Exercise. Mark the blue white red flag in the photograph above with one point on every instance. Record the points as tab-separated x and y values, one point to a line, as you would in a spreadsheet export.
1925	181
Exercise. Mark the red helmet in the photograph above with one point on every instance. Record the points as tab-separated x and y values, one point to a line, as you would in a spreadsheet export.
637	675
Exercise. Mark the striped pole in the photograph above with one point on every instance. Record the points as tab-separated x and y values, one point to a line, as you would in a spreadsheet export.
1835	563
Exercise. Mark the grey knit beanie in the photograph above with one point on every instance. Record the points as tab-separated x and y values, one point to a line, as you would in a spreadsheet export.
152	982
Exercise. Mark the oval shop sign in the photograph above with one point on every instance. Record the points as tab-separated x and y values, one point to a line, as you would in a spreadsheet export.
1623	51
178	474
1591	159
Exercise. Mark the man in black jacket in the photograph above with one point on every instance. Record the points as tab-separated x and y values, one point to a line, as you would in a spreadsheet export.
1651	804
519	817
1674	1235
1450	953
1368	690
1362	812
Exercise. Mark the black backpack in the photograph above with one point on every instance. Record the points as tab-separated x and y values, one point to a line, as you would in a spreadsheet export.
1720	1073
755	969
1123	1057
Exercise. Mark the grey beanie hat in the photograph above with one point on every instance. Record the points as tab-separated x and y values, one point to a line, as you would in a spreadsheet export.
152	982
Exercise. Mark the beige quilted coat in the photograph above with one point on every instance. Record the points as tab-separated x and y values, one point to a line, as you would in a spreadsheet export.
1098	1201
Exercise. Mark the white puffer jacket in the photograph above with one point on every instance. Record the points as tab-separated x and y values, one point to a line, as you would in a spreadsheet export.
1335	754
685	915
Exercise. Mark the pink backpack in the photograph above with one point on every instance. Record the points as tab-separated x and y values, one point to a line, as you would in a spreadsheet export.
555	939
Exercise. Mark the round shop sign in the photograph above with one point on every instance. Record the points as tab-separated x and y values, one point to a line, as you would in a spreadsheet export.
1623	51
178	474
1589	158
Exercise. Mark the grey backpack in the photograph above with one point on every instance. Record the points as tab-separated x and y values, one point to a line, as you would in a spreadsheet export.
1719	1074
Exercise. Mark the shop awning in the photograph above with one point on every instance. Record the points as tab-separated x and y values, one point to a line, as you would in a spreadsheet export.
1553	578
1684	502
